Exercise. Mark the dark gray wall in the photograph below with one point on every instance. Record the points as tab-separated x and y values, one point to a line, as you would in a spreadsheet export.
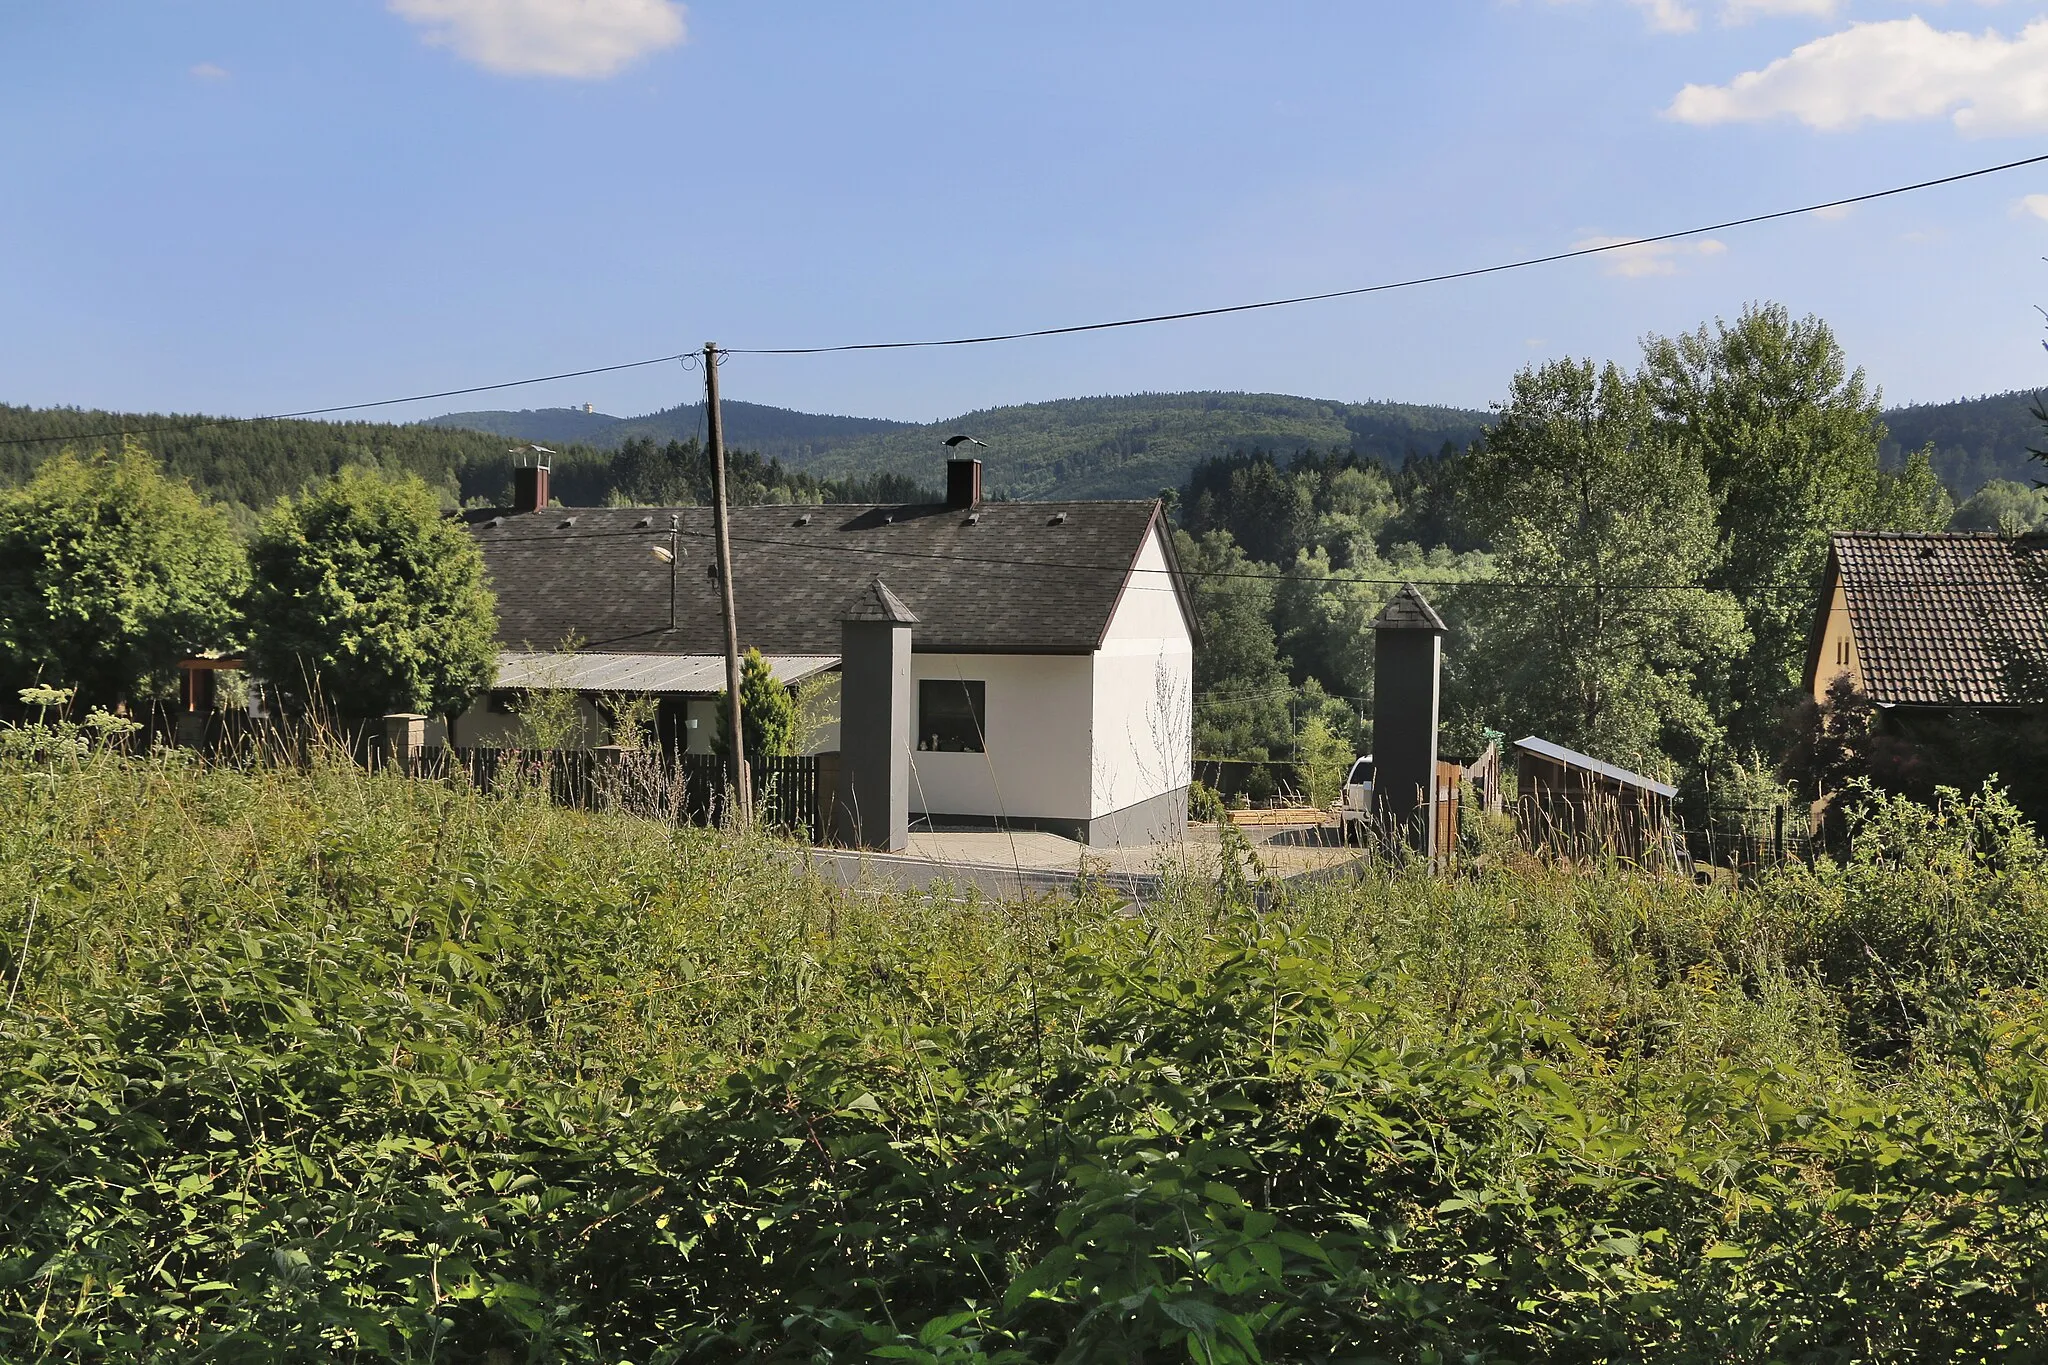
874	735
1407	692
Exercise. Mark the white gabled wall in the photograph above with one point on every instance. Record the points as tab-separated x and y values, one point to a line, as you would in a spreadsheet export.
1036	766
1143	692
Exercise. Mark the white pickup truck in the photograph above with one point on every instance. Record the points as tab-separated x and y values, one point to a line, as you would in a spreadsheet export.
1355	807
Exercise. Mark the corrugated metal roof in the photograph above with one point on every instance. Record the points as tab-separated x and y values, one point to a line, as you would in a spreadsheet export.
1572	758
689	674
1939	616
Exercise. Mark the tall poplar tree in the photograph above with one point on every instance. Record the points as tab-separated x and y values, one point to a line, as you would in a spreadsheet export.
1788	436
1595	631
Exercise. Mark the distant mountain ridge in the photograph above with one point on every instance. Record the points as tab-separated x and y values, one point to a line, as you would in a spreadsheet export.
1134	445
1104	447
1975	440
778	433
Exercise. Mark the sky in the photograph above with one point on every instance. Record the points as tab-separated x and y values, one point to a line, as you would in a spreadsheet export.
246	207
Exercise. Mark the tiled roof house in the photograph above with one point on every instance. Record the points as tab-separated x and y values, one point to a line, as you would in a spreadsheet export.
1052	643
1929	620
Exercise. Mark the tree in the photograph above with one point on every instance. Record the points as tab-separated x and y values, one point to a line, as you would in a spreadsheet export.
1788	436
768	715
2005	506
109	574
1241	686
1593	632
369	601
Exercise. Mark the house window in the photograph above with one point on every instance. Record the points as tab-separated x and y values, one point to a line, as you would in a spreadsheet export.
1842	652
504	701
952	716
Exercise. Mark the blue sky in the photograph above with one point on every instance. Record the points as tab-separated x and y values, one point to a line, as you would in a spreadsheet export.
244	206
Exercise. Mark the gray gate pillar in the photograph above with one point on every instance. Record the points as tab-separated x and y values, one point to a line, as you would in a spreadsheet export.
1407	690
873	808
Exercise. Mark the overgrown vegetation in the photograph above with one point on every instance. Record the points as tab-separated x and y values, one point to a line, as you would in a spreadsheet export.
312	1064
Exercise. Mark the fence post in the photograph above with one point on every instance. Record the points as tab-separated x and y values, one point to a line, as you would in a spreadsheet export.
404	735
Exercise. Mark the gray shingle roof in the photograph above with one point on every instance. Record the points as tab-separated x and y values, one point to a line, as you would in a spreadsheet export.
1937	616
1409	610
1020	578
876	602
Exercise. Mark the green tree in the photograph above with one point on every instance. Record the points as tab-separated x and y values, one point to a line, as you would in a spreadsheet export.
1241	686
369	600
768	714
1593	633
109	574
1788	435
2003	505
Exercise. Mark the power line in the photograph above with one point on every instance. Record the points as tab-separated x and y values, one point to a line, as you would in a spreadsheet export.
1444	278
1416	282
197	424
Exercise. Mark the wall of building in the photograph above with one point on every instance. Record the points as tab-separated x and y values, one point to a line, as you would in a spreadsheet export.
1143	691
482	728
1037	762
1837	648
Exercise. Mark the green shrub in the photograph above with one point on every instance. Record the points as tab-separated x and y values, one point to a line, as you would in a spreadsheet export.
319	1065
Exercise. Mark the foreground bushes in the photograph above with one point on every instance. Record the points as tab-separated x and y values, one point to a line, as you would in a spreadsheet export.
318	1066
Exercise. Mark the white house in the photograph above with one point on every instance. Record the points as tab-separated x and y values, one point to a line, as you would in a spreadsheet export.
1052	658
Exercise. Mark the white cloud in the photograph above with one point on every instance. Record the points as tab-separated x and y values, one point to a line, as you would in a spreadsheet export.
1834	213
1742	11
2036	204
1668	16
1651	258
577	38
1901	69
207	71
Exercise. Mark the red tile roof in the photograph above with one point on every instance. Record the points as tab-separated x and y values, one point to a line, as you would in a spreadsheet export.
1938	617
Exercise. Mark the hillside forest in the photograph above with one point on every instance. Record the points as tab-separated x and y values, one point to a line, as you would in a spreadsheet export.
1627	555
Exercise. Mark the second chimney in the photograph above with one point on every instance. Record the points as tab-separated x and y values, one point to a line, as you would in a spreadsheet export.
963	484
530	487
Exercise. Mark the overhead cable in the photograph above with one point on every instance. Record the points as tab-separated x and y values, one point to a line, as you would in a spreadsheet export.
1076	328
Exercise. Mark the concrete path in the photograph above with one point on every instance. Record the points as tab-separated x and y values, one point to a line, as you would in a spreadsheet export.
1022	863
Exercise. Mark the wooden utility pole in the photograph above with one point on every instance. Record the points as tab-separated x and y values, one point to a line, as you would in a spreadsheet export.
743	785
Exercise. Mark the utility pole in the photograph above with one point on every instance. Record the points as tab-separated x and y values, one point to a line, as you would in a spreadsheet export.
675	558
743	786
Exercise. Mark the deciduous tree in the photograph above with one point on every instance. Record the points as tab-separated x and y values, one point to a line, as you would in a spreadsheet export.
1788	435
109	574
369	600
1594	632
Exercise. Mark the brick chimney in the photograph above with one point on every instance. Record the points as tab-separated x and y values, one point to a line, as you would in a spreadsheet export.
530	487
963	484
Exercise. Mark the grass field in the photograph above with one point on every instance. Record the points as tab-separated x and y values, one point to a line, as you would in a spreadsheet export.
313	1064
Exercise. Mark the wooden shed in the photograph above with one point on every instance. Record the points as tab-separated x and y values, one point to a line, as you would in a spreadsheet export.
1577	806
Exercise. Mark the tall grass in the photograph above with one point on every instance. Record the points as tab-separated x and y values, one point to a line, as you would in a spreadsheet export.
307	1062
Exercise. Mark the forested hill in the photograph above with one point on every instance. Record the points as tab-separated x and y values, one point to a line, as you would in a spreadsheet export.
1975	440
1123	447
776	433
252	464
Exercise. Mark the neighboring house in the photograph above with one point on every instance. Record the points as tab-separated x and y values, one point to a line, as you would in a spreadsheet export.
1928	623
1052	655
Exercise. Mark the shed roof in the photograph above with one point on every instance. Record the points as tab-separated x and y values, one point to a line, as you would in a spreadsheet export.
672	674
1006	578
1938	617
1572	758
